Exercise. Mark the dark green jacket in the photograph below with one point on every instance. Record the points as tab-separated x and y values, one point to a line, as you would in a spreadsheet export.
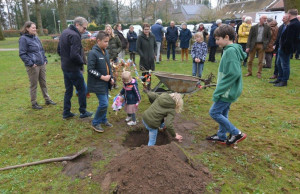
162	108
230	84
114	47
253	36
146	47
97	61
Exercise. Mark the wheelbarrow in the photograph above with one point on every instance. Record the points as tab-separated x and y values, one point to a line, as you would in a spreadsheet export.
179	83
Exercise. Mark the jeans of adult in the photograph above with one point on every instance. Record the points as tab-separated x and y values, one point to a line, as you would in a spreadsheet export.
297	56
199	67
173	45
100	115
275	65
35	75
158	51
244	49
74	78
212	53
152	133
219	112
283	62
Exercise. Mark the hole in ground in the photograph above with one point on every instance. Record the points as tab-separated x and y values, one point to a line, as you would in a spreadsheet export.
139	138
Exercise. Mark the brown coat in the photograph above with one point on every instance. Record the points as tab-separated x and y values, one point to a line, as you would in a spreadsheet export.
274	32
253	36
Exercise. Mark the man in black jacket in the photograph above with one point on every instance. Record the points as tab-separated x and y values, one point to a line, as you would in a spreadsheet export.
172	37
285	20
287	44
71	53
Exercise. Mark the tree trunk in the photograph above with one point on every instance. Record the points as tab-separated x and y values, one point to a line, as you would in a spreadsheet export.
291	4
1	32
62	14
39	17
8	13
25	10
118	10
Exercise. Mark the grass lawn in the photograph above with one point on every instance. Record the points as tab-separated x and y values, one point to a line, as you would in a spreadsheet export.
268	161
12	42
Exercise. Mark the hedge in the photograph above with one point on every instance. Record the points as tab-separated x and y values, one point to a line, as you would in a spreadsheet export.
50	46
16	33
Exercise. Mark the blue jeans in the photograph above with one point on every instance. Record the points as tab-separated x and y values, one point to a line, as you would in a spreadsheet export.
169	45
85	89
283	62
198	66
219	112
100	115
152	133
74	78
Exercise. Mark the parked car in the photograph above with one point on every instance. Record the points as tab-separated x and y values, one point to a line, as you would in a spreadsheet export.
125	32
86	35
94	35
137	28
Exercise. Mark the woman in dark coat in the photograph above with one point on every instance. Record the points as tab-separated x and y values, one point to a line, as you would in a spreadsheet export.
33	55
114	48
146	47
185	37
119	33
132	37
202	29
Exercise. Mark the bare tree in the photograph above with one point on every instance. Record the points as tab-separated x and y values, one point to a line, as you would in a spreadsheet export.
1	32
39	16
62	14
8	7
119	5
131	9
25	10
144	5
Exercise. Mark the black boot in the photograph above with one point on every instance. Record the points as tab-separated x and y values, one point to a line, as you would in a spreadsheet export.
274	82
281	84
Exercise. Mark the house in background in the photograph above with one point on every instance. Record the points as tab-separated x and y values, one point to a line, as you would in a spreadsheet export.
184	13
249	8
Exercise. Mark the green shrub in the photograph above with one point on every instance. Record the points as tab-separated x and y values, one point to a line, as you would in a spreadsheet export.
50	46
16	33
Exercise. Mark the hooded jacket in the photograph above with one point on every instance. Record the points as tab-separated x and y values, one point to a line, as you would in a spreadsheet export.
31	50
70	49
274	32
158	31
163	108
132	37
212	40
131	92
146	47
230	84
114	47
122	39
98	64
244	30
185	37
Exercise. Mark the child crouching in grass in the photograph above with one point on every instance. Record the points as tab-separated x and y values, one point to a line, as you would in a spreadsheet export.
132	97
229	86
199	51
161	113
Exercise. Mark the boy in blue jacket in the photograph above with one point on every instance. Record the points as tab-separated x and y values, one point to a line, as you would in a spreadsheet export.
229	86
100	79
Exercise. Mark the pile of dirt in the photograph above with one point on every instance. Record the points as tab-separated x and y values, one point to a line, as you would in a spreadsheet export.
153	170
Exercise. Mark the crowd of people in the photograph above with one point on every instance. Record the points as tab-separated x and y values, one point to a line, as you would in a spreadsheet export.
264	39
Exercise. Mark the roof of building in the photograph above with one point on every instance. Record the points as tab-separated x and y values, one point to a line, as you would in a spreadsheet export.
193	9
243	7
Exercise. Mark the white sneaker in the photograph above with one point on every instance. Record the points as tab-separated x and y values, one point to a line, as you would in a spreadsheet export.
128	119
130	123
